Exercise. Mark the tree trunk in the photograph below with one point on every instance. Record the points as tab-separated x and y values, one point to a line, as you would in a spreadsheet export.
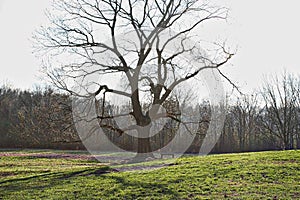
144	150
144	145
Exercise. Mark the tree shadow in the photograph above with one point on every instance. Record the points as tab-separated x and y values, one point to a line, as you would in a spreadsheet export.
54	179
28	178
147	187
51	177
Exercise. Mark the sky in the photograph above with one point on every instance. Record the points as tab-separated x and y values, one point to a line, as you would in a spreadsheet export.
264	33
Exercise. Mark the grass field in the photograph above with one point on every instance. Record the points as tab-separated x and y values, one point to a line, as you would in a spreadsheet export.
264	175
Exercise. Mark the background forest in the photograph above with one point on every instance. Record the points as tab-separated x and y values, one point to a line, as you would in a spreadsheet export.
265	120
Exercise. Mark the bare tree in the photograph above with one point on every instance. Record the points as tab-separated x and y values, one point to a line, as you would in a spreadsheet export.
89	35
44	118
246	113
280	117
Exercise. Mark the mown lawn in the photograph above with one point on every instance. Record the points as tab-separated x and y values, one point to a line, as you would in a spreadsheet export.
264	175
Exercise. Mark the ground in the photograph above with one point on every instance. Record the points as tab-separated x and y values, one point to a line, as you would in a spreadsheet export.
76	175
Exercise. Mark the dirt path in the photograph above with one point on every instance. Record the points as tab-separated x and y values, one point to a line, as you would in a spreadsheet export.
85	157
141	167
50	155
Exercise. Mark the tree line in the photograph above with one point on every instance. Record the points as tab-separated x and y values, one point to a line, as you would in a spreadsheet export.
268	119
36	119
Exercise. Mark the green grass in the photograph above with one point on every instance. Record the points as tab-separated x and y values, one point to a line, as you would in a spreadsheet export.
264	175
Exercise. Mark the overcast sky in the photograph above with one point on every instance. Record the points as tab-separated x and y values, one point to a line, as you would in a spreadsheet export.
266	34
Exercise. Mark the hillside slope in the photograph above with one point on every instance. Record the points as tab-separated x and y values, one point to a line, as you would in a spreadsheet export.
263	175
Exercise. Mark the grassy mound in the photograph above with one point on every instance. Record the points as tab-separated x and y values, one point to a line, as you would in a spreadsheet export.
264	175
